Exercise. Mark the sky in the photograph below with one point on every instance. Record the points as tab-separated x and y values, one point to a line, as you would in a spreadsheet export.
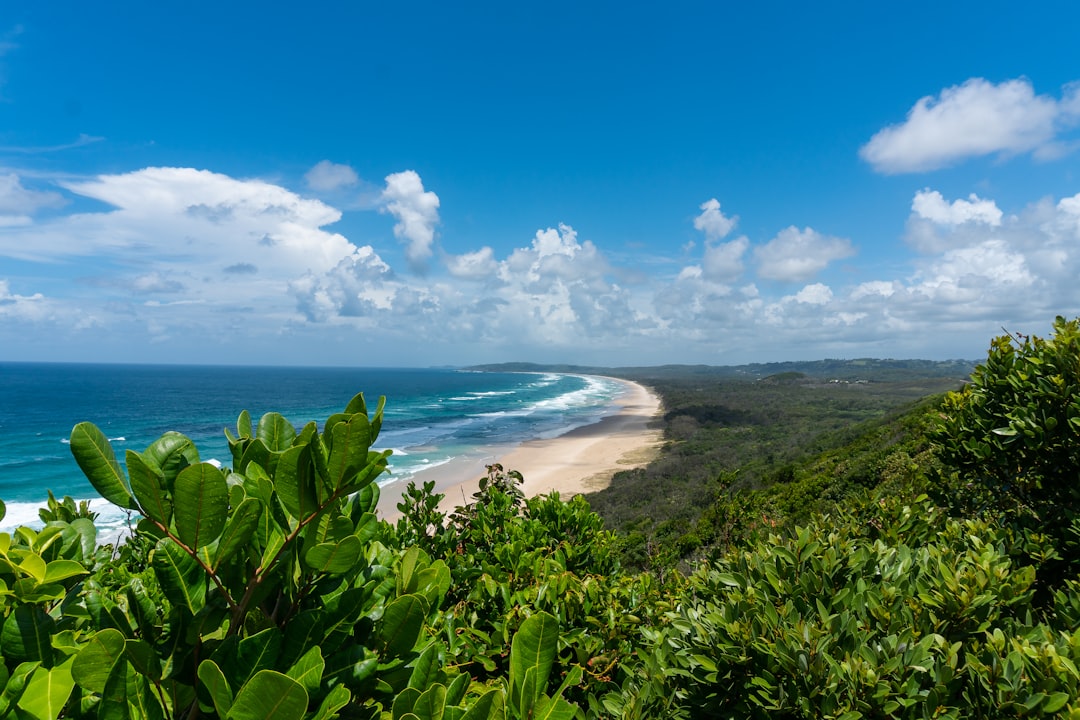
428	184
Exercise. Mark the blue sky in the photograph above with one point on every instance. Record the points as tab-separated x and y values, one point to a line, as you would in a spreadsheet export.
602	183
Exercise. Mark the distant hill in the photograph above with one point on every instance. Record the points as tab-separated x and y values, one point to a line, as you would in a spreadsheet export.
871	369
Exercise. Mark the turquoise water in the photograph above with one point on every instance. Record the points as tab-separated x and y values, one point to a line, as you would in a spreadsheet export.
431	417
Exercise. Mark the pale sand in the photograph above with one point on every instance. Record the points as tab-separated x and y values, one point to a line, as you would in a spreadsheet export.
580	461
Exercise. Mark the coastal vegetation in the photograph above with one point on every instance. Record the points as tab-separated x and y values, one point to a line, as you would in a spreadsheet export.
840	549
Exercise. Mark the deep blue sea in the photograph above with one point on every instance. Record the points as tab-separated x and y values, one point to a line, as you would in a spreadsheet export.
431	416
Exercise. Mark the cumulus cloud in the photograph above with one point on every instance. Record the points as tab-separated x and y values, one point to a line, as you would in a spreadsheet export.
417	213
326	176
931	205
477	265
724	261
795	255
712	222
974	119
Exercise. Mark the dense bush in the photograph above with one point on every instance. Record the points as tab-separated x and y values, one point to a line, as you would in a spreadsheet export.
832	587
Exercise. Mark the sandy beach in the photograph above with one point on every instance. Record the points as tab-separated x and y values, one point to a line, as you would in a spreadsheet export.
580	461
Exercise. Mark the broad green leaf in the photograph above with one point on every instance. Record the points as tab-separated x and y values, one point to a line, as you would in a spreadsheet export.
356	405
402	621
257	652
308	670
404	702
33	565
239	529
295	482
58	570
413	561
183	581
336	699
95	661
335	558
212	682
431	704
98	462
148	485
171	453
552	709
276	432
27	635
426	669
348	450
490	705
142	703
269	696
243	424
3	510
144	658
47	691
201	504
455	693
533	648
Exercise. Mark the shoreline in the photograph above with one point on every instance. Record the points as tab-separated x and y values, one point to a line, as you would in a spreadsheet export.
579	461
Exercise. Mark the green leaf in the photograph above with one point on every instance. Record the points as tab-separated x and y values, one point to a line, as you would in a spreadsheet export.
295	482
95	661
402	622
98	462
276	432
212	683
256	653
426	669
336	699
171	453
58	570
47	691
308	670
431	704
490	705
533	648
148	484
553	709
144	658
349	446
335	558
239	529
404	702
201	504
269	696
179	575
27	635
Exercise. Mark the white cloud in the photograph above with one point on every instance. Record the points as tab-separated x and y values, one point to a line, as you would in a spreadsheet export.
930	205
970	120
23	308
712	222
795	255
18	203
816	294
417	214
723	261
477	265
326	176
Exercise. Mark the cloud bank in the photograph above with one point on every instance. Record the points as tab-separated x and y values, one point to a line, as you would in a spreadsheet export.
181	258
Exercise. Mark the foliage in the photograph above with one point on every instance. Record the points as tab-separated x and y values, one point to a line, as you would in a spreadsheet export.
891	611
1014	430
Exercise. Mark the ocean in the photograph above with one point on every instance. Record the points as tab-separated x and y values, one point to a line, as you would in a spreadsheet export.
431	417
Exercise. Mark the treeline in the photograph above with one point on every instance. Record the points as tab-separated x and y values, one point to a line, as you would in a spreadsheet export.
860	561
